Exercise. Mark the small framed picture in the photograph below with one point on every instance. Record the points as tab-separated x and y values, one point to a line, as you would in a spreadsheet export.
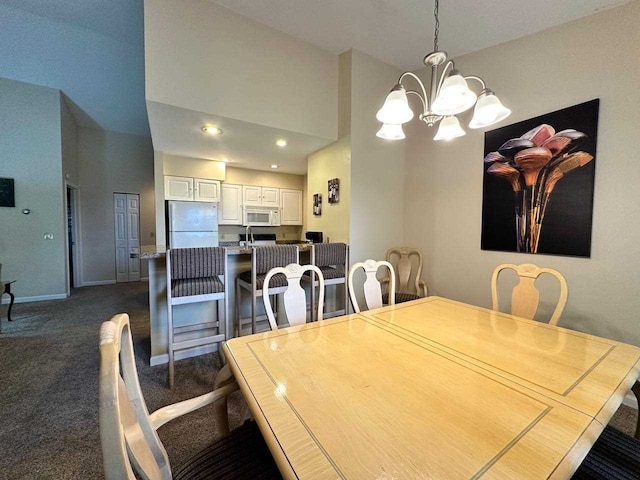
334	190
317	204
7	193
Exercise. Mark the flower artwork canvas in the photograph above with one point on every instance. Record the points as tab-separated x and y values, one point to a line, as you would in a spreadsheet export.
538	183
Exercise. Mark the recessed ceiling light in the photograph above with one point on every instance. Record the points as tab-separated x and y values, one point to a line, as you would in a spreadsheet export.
211	130
281	142
275	166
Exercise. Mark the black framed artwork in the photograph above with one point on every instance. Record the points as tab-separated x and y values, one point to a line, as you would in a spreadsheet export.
538	183
334	190
317	204
7	193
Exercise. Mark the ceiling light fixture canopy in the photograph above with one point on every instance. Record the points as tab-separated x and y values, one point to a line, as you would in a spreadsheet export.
449	95
211	130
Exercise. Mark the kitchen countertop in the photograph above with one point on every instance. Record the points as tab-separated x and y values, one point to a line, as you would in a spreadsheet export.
148	252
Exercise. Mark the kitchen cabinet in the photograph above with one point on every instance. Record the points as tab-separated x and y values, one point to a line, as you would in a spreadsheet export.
260	196
291	207
191	189
230	211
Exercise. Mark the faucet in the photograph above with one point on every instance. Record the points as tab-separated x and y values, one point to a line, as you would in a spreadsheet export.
246	236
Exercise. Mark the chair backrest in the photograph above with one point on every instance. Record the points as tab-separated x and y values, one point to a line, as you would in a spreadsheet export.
372	287
295	300
526	296
195	262
330	254
126	432
404	266
272	256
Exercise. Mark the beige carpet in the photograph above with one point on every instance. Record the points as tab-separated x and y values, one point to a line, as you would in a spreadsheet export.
49	391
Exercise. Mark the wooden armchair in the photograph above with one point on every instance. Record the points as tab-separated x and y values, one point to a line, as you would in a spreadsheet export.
128	432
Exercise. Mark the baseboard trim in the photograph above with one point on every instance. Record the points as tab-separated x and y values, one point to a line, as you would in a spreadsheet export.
191	352
36	298
630	401
98	283
144	279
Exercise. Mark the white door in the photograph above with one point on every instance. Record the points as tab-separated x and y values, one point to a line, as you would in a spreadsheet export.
133	235
270	197
251	196
120	210
206	190
291	207
230	211
178	188
127	232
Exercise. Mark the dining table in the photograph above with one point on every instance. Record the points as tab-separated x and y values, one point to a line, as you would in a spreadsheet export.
432	388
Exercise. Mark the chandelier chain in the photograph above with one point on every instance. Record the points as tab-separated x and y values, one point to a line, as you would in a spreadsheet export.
437	27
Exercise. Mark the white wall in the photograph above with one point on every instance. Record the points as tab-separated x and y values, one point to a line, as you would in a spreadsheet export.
377	166
31	154
204	57
595	57
112	162
330	162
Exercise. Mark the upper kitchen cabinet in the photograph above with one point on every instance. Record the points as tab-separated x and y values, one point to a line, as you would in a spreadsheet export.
291	202
230	211
191	189
260	196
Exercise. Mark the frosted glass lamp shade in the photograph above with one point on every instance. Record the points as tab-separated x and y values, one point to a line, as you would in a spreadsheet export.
454	97
396	109
449	129
390	131
489	110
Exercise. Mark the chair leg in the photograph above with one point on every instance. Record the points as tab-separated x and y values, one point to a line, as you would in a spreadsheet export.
254	306
636	391
221	329
223	378
170	345
238	326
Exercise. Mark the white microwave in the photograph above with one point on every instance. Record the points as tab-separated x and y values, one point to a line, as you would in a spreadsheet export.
261	217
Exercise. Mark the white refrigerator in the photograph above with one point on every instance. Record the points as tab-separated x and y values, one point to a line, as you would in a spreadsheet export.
193	224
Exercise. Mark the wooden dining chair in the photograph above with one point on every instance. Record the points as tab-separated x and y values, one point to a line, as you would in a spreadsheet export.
407	262
295	300
128	432
372	287
525	297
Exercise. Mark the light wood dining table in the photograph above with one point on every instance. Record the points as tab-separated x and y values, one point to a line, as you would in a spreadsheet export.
431	389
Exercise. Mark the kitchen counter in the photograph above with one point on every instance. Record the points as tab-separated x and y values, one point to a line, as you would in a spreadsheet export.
148	252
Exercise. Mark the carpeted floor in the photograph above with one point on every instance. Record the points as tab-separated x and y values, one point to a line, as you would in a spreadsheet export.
49	386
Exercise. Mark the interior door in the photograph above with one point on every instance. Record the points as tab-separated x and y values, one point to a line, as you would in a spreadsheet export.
133	235
122	262
126	208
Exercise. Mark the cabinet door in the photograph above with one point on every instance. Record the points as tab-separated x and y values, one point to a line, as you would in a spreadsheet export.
291	203
270	197
178	188
230	210
206	190
251	196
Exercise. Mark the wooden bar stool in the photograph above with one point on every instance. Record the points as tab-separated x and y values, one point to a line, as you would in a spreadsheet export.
193	275
263	259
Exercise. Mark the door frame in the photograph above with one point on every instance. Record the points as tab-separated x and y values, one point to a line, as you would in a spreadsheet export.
77	225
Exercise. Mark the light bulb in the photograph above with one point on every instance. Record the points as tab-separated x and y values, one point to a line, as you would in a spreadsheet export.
454	96
489	110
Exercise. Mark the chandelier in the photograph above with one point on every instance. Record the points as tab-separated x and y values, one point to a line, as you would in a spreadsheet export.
449	95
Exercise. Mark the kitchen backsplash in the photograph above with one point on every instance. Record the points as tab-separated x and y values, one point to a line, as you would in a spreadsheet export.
230	233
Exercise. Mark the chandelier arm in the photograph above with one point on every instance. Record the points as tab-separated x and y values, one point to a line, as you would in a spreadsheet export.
417	94
443	75
425	100
478	79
